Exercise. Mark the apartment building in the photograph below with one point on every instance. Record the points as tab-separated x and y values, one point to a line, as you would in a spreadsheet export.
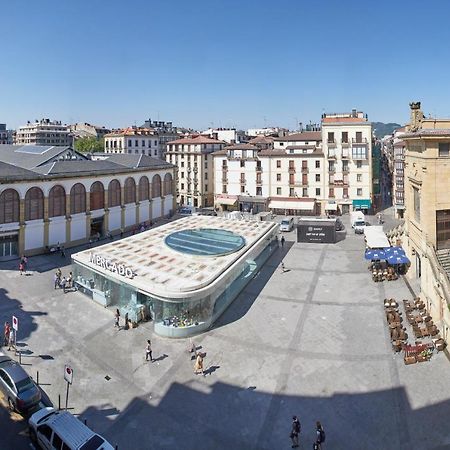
133	140
398	176
44	132
195	176
84	129
427	210
165	131
347	146
229	135
5	135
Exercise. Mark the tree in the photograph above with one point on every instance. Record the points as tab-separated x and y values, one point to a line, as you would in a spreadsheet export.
89	144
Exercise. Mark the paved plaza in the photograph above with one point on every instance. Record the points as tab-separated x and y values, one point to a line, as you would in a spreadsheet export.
310	341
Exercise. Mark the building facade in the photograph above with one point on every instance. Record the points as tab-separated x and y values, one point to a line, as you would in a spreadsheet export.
70	200
195	175
134	141
5	134
229	135
427	211
84	129
347	146
43	132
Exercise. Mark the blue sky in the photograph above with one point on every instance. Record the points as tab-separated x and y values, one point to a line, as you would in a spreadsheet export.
222	62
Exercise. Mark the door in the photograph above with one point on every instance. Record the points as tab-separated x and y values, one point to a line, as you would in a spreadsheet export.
8	246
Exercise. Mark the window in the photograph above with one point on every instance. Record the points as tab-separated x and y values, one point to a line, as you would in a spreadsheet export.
206	164
443	229
243	178
129	142
305	192
444	149
259	190
168	184
278	191
291	192
359	136
156	186
114	193
359	192
242	163
318	191
143	143
9	206
206	188
358	164
345	166
77	199
359	177
45	431
224	163
34	204
344	138
182	185
130	190
278	176
292	164
330	137
281	144
56	201
182	175
359	153
144	189
224	189
345	193
57	441
182	163
206	176
416	197
317	176
331	166
136	143
331	192
242	189
317	164
278	163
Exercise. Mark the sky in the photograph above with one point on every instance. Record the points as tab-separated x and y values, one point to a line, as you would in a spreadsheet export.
239	63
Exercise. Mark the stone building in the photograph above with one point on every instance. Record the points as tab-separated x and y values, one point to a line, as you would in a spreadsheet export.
44	132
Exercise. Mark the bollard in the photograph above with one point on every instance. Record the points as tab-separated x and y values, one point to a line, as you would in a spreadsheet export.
37	378
59	402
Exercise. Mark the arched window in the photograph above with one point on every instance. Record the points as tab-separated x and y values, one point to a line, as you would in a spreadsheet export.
34	204
130	190
77	199
168	184
9	206
156	186
56	201
114	193
144	189
97	196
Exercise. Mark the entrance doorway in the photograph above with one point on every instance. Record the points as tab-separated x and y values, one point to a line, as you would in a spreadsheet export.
418	266
9	245
97	227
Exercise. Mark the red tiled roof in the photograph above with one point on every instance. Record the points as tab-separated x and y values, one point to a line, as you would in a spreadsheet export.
261	140
304	136
196	140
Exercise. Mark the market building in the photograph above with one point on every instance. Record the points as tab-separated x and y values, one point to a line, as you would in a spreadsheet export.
55	195
182	275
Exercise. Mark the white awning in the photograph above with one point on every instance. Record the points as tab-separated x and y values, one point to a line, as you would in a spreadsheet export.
226	201
302	206
375	237
331	207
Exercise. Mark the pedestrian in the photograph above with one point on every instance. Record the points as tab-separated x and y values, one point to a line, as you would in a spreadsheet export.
117	318
295	431
316	446
57	279
70	281
6	331
148	351
11	338
58	247
282	241
320	434
21	268
63	284
282	268
198	367
121	233
63	252
127	325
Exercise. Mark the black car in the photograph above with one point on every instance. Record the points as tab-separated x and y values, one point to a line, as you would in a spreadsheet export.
19	389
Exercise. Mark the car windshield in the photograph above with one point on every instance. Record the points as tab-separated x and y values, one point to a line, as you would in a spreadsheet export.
285	222
360	223
24	385
93	443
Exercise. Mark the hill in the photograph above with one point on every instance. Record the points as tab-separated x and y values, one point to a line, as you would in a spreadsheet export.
382	129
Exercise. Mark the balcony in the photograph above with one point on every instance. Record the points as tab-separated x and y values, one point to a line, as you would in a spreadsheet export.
331	154
224	180
345	170
291	170
345	153
258	182
331	143
258	169
362	141
345	144
242	180
305	170
345	196
331	169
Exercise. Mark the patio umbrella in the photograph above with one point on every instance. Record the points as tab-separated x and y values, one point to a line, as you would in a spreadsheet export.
394	251
374	254
398	259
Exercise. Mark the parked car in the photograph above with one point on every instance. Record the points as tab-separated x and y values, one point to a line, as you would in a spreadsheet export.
52	429
186	210
287	224
205	212
19	389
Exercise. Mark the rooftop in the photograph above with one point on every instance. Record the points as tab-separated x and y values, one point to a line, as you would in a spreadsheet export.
196	140
163	271
303	136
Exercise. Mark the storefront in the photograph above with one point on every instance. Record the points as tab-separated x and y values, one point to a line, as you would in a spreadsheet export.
294	207
363	205
182	275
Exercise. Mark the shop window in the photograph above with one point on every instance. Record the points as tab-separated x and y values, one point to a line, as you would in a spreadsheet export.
114	193
9	206
34	204
77	199
56	201
144	189
130	191
97	196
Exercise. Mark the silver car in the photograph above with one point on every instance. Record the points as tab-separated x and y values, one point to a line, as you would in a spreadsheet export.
19	389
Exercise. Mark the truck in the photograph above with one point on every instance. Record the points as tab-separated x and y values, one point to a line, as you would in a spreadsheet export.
358	221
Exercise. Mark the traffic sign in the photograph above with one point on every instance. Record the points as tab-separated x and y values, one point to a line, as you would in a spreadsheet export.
68	373
15	323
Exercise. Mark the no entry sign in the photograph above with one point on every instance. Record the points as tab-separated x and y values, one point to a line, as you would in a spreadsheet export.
15	323
68	373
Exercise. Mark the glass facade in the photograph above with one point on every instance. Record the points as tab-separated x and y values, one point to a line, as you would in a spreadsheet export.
177	317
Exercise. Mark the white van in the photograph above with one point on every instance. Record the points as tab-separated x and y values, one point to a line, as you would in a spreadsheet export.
358	221
52	429
287	224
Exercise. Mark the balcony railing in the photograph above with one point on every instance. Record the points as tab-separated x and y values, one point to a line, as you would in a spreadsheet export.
305	170
258	181
332	169
258	169
291	169
362	141
345	153
331	154
345	144
345	170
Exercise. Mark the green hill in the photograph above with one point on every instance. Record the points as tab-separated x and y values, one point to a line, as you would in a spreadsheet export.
382	129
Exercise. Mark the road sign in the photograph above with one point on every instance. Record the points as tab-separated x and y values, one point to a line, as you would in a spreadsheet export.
68	373
15	323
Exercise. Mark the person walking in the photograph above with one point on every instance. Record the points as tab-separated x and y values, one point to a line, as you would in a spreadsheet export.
282	241
63	284
57	278
11	338
21	267
117	318
198	367
127	325
282	268
63	252
320	434
295	431
70	281
6	331
148	351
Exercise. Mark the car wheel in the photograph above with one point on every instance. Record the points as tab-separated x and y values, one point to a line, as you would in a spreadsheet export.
11	405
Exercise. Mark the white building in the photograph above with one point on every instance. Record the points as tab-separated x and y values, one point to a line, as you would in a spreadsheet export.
267	131
195	175
134	141
347	145
5	135
43	132
84	129
52	195
230	135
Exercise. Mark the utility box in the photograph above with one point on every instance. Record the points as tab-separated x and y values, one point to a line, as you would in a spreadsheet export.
322	231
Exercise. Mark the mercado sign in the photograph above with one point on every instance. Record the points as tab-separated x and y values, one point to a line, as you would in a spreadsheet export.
119	269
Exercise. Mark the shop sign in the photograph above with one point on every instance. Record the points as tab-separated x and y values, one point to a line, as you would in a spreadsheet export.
119	269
